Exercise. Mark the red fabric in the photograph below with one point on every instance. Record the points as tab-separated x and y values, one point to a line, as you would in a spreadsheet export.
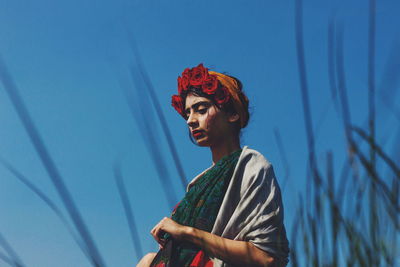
201	260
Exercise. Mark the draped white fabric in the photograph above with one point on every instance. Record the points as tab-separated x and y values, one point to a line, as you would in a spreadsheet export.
252	208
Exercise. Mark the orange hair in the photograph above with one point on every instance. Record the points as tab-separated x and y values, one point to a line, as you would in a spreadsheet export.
239	100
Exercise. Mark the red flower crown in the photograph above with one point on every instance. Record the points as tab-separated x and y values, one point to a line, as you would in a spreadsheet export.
199	77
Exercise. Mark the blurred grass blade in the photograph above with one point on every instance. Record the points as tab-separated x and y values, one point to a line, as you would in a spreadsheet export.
284	160
128	212
334	216
48	202
374	222
375	177
331	61
371	75
379	150
342	88
294	239
303	79
49	164
142	114
301	63
363	228
390	81
12	255
6	259
156	104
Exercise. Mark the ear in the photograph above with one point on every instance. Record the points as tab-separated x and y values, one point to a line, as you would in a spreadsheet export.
233	118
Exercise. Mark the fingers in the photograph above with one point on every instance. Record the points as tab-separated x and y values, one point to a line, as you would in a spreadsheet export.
158	232
166	225
154	232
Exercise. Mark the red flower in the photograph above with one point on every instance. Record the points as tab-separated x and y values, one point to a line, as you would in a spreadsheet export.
221	96
198	75
177	103
186	72
181	88
184	81
210	85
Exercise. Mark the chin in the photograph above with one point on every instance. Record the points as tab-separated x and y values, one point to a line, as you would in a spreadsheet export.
203	142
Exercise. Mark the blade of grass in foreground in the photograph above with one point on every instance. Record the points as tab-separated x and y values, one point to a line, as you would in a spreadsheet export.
331	61
303	79
6	259
128	212
390	81
303	87
342	88
379	150
142	115
282	153
375	178
13	256
301	63
346	120
294	238
44	155
371	75
374	222
46	200
334	219
156	104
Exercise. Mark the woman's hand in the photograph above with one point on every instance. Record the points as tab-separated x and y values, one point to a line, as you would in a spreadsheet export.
167	225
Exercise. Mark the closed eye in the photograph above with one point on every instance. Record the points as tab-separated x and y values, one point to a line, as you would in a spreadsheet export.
200	107
202	110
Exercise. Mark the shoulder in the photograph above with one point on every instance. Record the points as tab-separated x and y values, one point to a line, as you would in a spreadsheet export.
253	160
254	155
253	170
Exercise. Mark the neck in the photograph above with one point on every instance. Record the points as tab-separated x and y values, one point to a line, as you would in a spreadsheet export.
225	147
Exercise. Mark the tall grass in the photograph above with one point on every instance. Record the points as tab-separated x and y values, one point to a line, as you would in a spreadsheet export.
13	259
49	165
362	230
128	211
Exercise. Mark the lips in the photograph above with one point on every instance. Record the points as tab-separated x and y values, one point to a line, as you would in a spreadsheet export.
197	133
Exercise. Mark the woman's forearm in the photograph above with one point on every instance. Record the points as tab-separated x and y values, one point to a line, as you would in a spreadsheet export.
232	251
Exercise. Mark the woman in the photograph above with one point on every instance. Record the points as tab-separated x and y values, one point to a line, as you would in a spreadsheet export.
232	213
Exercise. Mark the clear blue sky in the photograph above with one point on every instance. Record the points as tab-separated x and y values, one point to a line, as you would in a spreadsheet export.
69	59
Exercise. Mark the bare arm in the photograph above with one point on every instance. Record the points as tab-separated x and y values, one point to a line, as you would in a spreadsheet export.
232	251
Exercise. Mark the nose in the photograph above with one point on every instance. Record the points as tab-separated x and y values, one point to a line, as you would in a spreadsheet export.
192	121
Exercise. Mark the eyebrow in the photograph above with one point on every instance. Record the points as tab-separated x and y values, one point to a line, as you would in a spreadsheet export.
196	105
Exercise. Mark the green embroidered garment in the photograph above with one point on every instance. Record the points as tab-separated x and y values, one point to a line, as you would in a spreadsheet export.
198	209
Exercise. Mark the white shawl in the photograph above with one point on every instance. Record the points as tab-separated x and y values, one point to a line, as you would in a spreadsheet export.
252	208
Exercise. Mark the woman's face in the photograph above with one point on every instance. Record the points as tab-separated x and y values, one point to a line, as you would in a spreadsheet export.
208	124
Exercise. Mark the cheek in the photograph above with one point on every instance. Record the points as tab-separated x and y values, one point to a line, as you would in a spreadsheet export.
210	119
